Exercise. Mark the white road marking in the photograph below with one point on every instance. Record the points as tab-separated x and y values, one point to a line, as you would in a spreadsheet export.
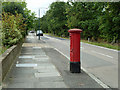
51	37
88	44
57	40
41	58
96	79
26	65
102	47
26	56
36	47
91	75
102	54
60	40
62	53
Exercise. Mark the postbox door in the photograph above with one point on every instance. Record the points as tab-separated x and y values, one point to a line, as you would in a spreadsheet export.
76	46
71	47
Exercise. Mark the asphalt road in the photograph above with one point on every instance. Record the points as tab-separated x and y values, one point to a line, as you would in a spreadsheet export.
100	62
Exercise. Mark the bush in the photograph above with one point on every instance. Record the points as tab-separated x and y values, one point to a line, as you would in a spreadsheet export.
11	35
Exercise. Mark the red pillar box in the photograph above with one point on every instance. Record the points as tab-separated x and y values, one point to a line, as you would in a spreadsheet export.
75	65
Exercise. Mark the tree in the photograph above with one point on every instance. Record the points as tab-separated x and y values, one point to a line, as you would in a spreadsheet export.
13	7
82	15
44	24
20	8
55	19
98	20
109	22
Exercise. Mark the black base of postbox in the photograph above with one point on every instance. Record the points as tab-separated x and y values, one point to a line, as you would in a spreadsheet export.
75	67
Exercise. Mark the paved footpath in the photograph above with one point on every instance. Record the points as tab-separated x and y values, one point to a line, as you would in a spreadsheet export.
41	66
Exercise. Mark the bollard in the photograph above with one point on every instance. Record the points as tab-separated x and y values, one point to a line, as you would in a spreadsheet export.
75	64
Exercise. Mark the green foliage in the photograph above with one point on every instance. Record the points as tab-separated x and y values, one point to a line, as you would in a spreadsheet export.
17	19
55	19
30	19
109	22
20	8
44	24
80	15
98	20
13	7
3	49
21	25
10	33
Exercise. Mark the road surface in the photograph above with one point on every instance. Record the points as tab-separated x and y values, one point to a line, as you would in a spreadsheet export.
99	61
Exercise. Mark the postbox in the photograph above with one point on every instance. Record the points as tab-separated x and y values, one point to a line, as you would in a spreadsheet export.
75	64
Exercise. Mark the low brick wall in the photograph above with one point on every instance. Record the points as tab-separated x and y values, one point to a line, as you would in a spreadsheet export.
8	58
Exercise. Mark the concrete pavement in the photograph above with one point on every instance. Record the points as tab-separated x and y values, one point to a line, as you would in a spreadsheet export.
41	66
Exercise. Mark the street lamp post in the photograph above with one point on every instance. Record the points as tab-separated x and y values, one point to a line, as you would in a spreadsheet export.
39	25
39	21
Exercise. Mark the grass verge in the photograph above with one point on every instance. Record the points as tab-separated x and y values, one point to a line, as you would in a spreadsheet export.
103	44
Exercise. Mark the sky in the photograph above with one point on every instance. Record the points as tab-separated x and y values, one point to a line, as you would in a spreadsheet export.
43	5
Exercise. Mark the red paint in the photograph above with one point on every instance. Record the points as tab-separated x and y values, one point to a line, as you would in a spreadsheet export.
75	45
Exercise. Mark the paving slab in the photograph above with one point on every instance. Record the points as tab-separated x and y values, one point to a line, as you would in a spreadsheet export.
49	85
19	85
72	80
51	79
41	66
47	74
33	69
